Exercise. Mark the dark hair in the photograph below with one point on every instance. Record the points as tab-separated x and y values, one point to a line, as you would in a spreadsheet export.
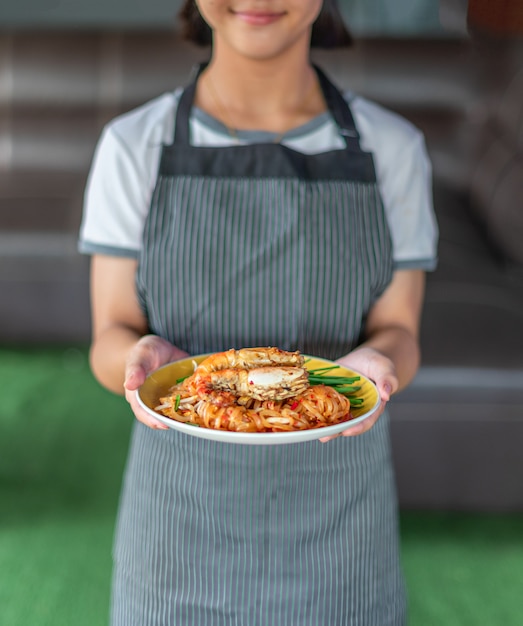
328	31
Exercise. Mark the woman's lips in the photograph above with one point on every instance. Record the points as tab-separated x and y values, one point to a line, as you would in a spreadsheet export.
258	19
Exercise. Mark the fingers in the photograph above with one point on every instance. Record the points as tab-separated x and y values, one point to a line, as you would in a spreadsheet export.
386	387
360	428
141	361
135	376
141	415
363	426
353	431
149	353
376	366
136	370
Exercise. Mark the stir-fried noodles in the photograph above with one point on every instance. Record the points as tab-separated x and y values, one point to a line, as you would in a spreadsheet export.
318	406
255	390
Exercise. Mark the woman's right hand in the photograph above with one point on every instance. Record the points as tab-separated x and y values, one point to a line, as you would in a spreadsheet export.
149	353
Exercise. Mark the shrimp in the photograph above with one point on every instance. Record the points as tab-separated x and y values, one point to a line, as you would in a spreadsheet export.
249	358
223	387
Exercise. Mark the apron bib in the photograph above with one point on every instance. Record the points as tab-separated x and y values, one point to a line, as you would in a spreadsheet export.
253	245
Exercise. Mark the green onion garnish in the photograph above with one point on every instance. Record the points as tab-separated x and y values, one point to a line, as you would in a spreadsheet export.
342	384
333	380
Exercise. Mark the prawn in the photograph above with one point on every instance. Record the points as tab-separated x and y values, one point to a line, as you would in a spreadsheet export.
249	358
224	387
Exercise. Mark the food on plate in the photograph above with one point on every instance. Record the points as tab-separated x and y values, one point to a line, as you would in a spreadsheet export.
258	390
249	358
261	383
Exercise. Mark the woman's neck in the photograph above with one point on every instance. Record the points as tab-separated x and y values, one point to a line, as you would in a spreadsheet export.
267	95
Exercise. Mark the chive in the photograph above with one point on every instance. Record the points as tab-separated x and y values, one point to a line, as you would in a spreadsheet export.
323	369
320	371
342	384
348	394
177	402
333	380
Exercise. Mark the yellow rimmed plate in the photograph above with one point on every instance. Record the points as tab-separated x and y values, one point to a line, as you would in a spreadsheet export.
159	382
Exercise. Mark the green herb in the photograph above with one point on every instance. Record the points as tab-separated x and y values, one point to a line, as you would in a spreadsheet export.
333	380
342	384
323	369
177	402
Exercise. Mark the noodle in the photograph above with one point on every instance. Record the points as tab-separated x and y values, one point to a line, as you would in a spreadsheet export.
318	406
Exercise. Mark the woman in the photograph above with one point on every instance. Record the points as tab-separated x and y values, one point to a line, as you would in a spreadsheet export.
258	206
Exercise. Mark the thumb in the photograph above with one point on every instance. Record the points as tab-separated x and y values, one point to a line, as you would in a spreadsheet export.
385	389
135	376
139	362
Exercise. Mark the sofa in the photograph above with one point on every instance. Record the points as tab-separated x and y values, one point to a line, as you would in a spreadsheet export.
457	430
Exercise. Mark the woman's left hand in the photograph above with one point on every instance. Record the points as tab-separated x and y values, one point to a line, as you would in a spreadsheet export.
379	369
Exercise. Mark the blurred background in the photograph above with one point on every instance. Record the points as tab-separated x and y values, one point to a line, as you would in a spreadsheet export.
455	69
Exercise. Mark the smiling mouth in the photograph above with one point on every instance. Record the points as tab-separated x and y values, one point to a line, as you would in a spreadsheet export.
258	19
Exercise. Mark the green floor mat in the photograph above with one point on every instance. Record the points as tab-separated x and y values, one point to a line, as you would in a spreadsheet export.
63	442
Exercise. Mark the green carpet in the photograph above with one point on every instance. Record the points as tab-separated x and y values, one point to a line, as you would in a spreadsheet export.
63	442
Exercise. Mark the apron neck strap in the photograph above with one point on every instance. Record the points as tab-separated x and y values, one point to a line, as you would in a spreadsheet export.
183	110
340	111
336	104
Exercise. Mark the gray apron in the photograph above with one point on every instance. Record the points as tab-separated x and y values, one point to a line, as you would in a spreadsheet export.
256	245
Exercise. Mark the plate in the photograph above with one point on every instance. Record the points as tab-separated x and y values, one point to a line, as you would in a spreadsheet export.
158	383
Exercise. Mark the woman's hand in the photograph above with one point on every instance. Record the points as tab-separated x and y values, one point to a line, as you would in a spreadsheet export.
390	354
122	354
378	368
149	353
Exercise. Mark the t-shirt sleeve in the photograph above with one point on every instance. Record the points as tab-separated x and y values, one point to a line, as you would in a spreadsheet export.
407	196
404	176
115	200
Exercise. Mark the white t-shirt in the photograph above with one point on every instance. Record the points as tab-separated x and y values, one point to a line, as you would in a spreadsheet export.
125	168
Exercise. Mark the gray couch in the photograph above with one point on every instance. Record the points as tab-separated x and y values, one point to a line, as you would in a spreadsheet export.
458	429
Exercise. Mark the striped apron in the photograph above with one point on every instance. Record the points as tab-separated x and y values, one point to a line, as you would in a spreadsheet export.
254	245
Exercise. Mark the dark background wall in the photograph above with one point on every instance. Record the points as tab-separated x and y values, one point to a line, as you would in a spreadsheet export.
401	17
